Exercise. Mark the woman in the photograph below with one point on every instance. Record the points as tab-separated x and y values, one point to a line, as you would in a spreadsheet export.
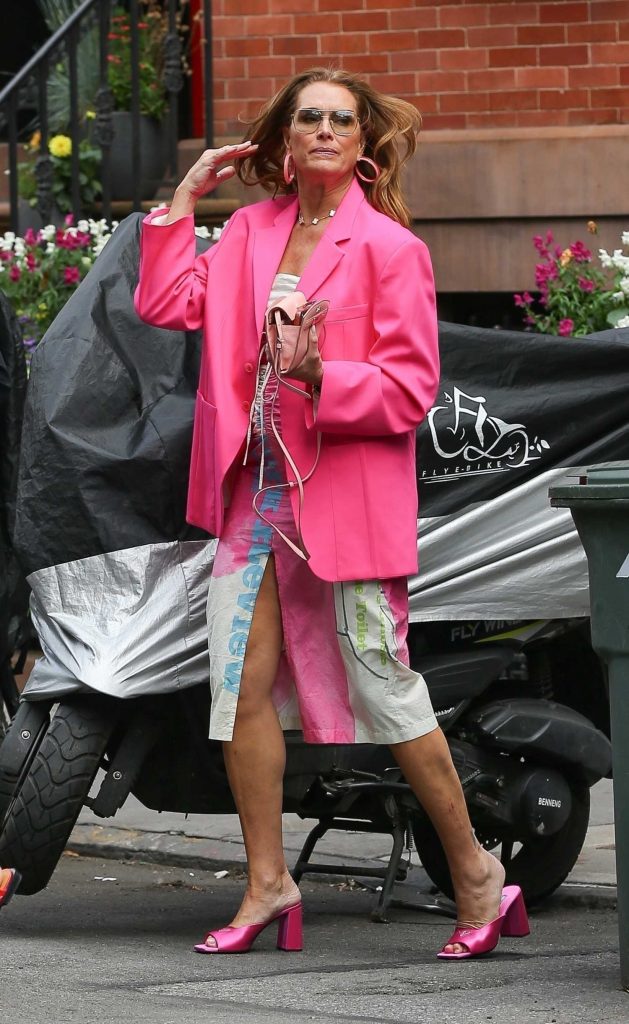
307	605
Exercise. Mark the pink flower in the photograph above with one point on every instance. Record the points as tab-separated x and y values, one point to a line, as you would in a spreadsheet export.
4	255
31	262
566	327
580	253
71	275
529	319
528	298
585	284
15	273
68	220
30	237
519	300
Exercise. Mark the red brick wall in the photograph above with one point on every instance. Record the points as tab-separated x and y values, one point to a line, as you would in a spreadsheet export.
464	65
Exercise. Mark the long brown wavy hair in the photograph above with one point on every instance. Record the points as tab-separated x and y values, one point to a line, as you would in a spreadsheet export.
389	128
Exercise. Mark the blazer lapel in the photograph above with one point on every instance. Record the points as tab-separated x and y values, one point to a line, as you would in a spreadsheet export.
268	248
331	249
269	244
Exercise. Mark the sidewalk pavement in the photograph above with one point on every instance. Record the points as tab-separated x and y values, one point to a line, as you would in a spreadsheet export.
215	842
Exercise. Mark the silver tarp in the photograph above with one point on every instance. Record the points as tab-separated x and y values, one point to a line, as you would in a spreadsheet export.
512	557
124	623
133	621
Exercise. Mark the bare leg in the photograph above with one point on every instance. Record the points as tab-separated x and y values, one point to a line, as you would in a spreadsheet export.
477	876
255	759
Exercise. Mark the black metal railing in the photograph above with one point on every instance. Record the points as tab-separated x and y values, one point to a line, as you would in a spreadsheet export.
30	87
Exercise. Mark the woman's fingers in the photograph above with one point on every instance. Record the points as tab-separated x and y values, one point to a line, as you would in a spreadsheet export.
208	172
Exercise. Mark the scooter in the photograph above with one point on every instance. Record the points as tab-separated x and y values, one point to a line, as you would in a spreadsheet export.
526	761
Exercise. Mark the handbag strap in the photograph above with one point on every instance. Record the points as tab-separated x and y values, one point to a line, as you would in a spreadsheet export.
299	481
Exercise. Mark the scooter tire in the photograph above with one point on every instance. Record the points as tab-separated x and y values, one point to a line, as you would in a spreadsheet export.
538	867
18	748
44	811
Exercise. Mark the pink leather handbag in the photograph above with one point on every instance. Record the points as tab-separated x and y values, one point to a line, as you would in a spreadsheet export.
287	330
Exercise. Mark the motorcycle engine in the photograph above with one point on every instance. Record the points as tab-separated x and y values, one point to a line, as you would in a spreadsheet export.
510	796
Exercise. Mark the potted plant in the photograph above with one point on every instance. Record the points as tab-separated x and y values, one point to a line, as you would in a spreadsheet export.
575	297
152	29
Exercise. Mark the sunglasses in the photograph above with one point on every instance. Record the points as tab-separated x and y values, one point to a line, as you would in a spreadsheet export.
307	120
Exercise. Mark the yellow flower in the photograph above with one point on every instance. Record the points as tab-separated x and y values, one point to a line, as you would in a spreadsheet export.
60	145
592	227
565	257
35	140
90	115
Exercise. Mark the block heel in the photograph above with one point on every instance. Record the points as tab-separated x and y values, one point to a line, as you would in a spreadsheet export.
290	930
516	921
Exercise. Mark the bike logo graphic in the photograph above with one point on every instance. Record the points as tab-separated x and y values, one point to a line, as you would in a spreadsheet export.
472	441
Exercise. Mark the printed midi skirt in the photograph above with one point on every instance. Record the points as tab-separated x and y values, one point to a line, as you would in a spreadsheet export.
343	675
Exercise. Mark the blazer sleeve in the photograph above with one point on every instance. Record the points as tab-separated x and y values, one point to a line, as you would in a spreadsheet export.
173	279
393	389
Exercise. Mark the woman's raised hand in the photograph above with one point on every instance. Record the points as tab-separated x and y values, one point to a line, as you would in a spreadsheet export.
205	175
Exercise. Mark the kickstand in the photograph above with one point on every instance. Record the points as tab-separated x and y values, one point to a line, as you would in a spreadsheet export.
399	827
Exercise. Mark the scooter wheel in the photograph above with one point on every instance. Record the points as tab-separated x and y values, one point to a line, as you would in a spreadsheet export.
537	865
42	815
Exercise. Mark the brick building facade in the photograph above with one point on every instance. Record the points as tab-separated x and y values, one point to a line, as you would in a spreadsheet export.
525	110
464	65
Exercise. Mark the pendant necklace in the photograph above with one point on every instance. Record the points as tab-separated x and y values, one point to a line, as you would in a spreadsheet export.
315	220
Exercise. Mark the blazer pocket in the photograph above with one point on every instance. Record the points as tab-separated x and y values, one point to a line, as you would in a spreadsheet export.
201	494
343	313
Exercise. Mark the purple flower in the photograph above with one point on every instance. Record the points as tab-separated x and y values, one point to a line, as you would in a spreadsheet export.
566	327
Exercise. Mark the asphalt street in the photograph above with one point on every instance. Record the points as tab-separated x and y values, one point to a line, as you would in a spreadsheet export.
111	941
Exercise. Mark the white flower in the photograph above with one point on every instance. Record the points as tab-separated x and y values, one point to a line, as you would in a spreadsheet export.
83	226
618	296
19	247
624	285
624	238
50	248
49	233
605	258
623	322
9	236
86	261
202	231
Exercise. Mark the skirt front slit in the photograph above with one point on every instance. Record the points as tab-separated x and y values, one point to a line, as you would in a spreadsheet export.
343	675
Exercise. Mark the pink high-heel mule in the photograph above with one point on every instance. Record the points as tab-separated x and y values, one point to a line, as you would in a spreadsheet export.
512	921
240	940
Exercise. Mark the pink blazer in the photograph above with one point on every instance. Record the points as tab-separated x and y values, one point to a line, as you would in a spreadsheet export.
359	518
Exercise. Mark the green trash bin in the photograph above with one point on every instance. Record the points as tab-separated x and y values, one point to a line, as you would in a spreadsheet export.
600	509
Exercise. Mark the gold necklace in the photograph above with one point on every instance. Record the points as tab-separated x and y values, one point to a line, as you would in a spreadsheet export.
315	220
